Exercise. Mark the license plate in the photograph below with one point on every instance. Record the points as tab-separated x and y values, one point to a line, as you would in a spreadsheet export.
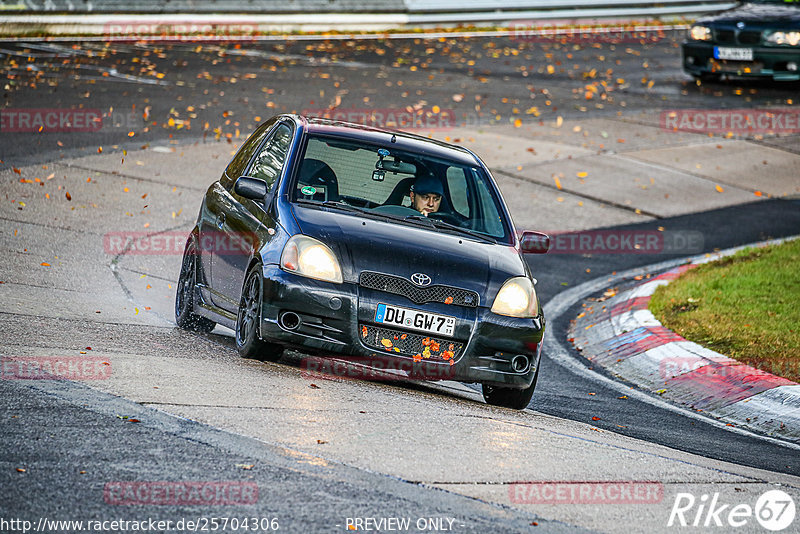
736	54
431	323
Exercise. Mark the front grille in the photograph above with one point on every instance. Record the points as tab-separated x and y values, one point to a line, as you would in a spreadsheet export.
408	344
750	38
726	36
419	295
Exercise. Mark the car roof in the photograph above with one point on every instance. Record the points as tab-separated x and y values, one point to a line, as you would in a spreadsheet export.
402	140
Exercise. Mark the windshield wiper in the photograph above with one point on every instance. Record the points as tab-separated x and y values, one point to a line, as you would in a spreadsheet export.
331	204
436	223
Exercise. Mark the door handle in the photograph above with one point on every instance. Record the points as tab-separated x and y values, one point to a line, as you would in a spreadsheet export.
220	220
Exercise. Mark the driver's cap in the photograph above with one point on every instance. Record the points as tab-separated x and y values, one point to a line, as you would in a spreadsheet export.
427	184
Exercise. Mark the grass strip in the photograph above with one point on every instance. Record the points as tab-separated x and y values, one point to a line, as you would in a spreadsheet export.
745	306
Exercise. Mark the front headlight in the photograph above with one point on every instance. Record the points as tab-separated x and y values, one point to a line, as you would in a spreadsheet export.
784	38
308	257
516	298
700	33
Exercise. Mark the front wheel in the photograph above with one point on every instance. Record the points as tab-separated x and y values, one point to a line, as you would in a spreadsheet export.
248	338
184	296
517	399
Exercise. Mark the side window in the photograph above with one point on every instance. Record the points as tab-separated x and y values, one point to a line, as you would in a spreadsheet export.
492	223
270	160
457	184
237	166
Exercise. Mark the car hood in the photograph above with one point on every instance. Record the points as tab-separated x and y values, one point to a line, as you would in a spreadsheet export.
367	244
759	15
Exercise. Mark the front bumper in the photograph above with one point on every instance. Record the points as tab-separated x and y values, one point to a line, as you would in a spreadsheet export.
772	62
338	319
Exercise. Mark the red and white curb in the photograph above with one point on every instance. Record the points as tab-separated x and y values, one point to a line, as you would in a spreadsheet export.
620	335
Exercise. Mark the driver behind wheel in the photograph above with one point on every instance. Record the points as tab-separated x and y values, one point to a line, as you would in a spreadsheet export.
426	194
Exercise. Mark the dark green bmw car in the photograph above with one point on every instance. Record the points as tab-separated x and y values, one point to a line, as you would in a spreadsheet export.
760	38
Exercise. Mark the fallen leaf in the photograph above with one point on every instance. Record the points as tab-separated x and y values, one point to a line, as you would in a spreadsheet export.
719	188
595	418
69	197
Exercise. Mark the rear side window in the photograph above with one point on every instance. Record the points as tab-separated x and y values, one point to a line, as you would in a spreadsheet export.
269	162
239	162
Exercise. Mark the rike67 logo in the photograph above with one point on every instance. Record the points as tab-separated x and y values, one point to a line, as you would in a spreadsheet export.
774	511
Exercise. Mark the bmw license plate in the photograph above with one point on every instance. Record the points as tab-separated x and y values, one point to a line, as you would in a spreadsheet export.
431	323
735	54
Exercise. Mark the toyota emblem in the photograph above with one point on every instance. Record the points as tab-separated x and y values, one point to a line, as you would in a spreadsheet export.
421	279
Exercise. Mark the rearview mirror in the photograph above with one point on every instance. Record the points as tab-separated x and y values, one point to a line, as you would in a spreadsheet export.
534	242
252	188
395	166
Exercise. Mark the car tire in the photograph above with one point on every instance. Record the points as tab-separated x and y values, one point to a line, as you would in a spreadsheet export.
517	399
248	320
184	296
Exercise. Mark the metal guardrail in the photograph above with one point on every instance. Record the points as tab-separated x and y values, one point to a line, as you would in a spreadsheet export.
260	19
430	6
203	6
409	7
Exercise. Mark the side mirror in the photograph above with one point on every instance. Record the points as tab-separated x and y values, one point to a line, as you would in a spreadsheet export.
252	188
534	242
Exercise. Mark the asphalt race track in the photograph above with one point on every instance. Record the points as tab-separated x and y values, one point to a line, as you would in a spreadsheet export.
184	407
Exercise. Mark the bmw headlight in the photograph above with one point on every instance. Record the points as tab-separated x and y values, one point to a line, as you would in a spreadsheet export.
784	38
306	256
517	298
700	33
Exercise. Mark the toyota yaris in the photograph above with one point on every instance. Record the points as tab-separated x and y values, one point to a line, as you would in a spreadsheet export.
338	239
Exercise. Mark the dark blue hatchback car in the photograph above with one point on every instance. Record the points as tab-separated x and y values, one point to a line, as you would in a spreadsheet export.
342	240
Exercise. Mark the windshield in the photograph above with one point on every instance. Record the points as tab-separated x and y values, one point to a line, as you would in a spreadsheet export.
387	182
